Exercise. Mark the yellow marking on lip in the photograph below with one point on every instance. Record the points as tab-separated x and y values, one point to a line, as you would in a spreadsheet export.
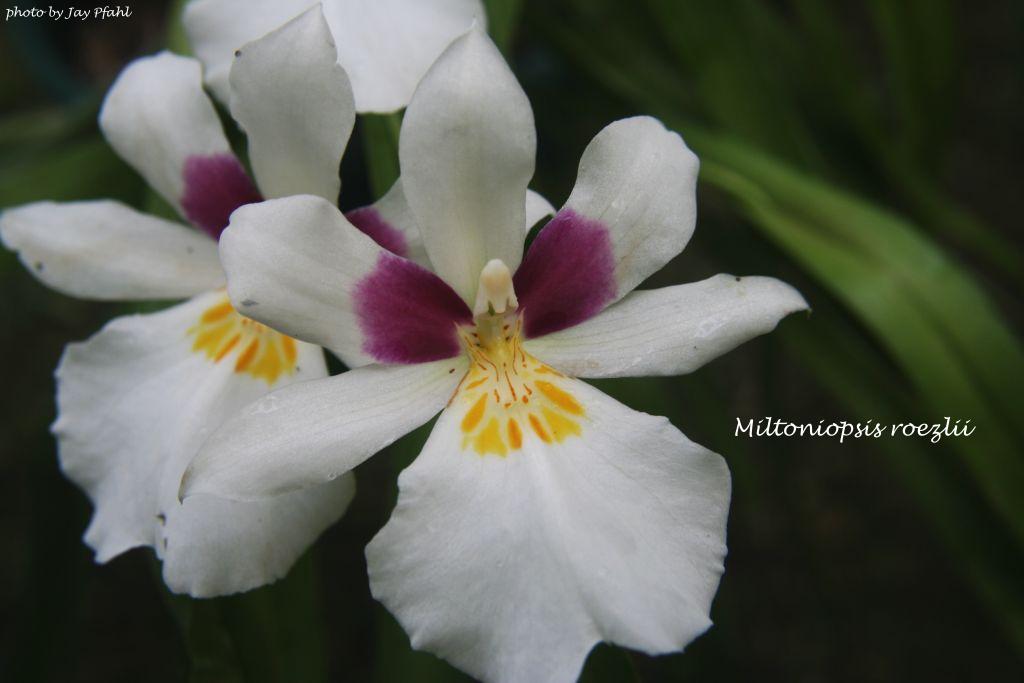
226	348
489	440
539	428
515	436
528	401
561	426
562	399
222	332
475	414
291	353
216	313
245	359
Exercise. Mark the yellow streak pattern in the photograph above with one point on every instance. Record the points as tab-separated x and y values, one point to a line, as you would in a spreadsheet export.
257	350
509	396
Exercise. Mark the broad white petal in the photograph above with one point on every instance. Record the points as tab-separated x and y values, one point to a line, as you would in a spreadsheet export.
216	28
513	567
136	401
670	331
106	250
157	117
295	104
387	45
314	432
467	153
639	181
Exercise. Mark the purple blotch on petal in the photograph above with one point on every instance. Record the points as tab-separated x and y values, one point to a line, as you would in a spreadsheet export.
408	314
371	223
567	276
215	185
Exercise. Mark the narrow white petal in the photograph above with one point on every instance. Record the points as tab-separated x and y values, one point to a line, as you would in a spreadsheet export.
386	46
314	432
292	263
638	180
393	211
389	221
670	331
537	209
135	402
156	116
467	153
106	250
295	104
513	567
216	28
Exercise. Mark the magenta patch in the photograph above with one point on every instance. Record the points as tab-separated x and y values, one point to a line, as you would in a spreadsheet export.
371	223
215	185
567	276
408	314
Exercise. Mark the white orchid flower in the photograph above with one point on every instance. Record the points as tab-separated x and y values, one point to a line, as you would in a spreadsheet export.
137	400
542	516
385	46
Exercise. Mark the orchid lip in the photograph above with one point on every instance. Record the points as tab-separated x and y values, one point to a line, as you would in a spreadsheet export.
507	396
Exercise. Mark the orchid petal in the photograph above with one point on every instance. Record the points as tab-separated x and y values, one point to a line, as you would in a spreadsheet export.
670	331
157	117
632	210
385	46
390	223
295	104
513	567
314	432
537	209
135	403
217	28
106	250
467	153
297	265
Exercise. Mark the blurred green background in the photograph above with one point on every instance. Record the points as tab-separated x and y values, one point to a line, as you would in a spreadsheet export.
869	152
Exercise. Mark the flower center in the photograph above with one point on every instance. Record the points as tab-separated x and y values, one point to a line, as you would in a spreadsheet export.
255	349
508	396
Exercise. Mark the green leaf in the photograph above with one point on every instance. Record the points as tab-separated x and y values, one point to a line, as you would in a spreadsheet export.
502	20
939	327
79	170
380	137
990	559
177	41
717	52
271	634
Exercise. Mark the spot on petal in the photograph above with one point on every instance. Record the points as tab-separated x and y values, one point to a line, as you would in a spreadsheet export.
408	314
215	185
372	224
567	276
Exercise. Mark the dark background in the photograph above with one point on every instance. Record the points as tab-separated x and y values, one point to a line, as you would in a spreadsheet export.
826	130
